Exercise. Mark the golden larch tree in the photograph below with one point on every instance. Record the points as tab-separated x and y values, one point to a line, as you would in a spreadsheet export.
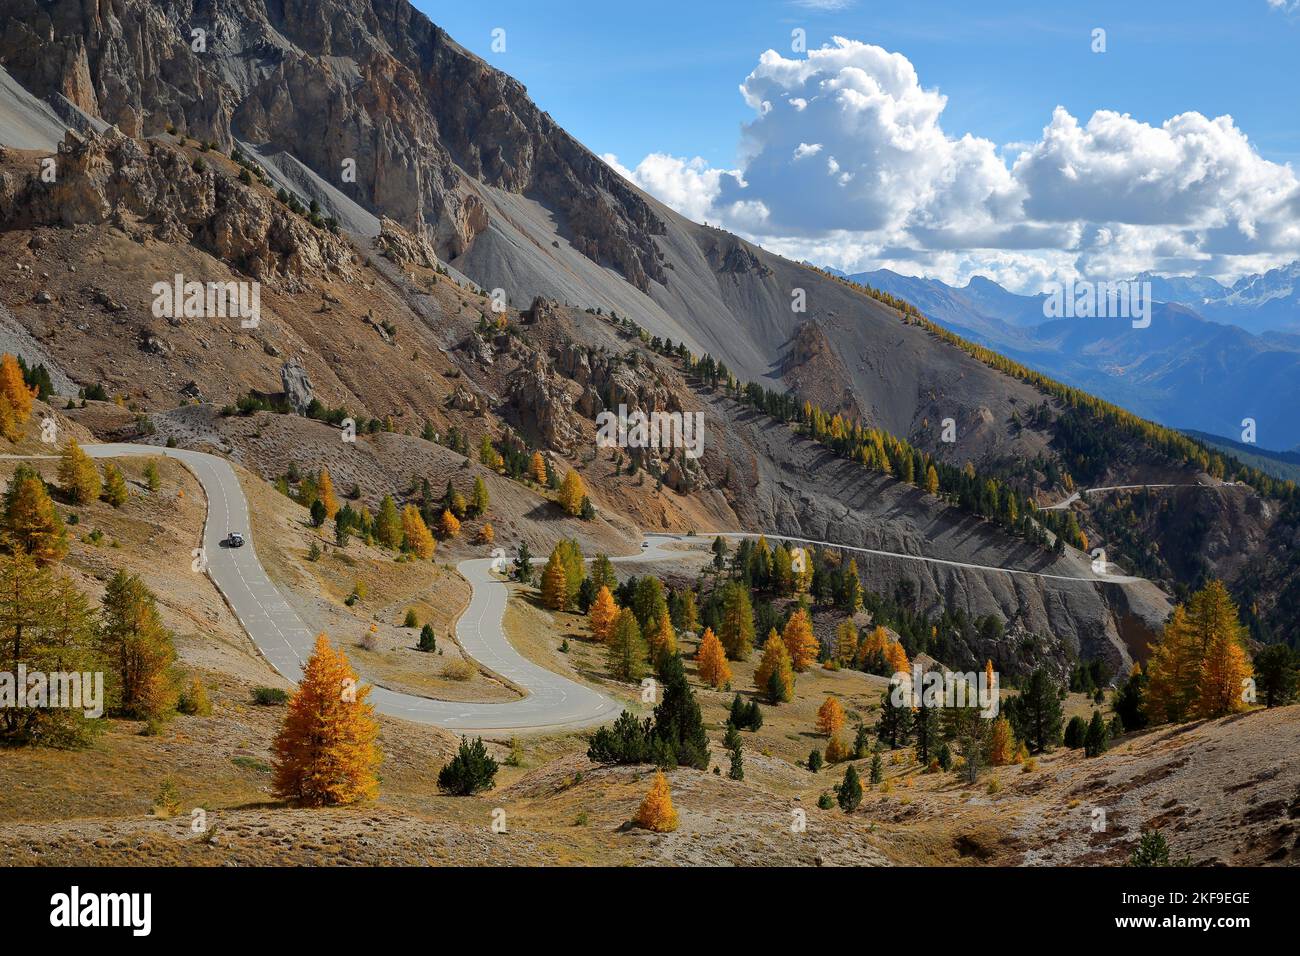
690	613
479	499
572	493
555	584
326	751
896	658
875	643
388	524
837	750
1002	743
325	493
416	536
31	522
448	525
1172	671
846	642
9	426
711	661
626	652
775	675
800	641
656	811
537	468
1224	667
737	628
1224	674
78	476
663	639
15	398
830	717
1200	666
853	587
602	614
115	491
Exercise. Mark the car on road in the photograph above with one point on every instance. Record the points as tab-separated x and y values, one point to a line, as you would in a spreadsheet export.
234	540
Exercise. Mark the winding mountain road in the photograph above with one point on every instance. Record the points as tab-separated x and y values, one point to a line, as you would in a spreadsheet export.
552	701
1062	505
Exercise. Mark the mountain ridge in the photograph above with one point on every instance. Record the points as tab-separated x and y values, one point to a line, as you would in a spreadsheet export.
1187	371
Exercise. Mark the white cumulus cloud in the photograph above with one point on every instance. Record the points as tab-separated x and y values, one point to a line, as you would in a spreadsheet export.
689	186
892	186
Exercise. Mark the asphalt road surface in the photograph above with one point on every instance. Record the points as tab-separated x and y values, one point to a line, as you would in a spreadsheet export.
552	701
287	642
1062	505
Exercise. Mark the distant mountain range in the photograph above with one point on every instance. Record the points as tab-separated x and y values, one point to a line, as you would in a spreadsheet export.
1212	357
1267	302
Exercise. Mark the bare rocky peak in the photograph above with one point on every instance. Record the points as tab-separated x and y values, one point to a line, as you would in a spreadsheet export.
426	122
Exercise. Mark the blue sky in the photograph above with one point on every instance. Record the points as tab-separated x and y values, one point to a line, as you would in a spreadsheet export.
638	81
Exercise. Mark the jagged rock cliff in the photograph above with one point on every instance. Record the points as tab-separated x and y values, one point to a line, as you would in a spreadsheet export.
424	122
153	189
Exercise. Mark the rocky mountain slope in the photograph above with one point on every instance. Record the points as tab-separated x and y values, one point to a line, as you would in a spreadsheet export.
453	150
463	186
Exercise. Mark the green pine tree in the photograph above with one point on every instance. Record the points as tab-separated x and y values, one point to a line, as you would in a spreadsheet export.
428	640
627	654
1097	737
849	792
677	718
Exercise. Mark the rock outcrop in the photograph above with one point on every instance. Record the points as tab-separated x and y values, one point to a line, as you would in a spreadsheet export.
297	386
398	245
154	189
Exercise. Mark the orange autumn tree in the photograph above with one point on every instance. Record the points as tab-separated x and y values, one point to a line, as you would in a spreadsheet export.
416	536
837	750
1002	743
30	523
1200	666
449	525
555	584
656	811
775	675
15	398
325	493
537	468
602	614
800	641
572	493
875	643
830	717
896	658
326	751
78	476
711	661
1225	667
1171	671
